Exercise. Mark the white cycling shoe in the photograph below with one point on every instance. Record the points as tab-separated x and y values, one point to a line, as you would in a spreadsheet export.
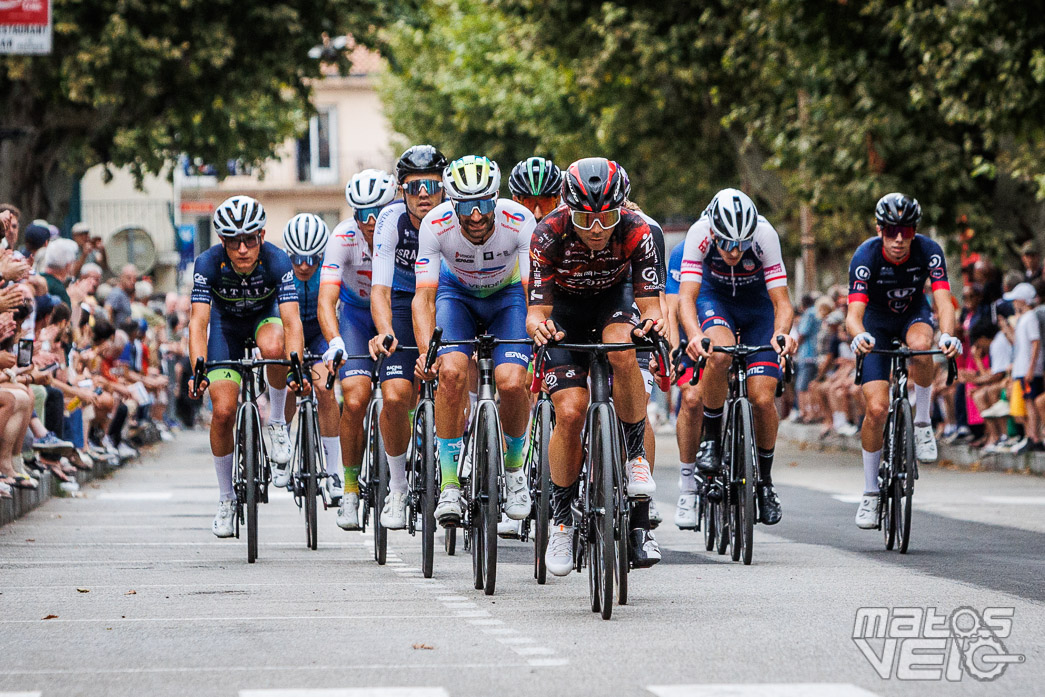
559	557
867	514
686	512
393	515
223	521
517	507
509	529
279	442
640	478
925	444
448	511
335	490
348	512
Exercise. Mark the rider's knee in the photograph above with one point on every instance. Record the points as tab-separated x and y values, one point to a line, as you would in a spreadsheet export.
570	414
691	398
719	362
271	345
354	403
623	361
920	342
453	374
512	383
763	399
397	394
875	410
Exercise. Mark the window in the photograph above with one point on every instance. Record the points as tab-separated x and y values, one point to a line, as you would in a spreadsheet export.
317	151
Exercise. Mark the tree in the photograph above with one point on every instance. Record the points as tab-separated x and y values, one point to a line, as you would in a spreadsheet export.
137	83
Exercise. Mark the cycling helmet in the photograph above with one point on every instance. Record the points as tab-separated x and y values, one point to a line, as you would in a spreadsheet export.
305	234
420	159
593	184
471	177
535	176
239	215
732	215
897	209
370	188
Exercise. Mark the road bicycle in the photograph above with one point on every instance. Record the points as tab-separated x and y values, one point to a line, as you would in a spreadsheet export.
538	470
422	471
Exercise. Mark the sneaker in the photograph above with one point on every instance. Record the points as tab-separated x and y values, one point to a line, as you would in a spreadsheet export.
640	478
998	410
335	490
280	445
393	515
126	452
1019	447
49	442
768	504
708	458
559	557
166	436
509	529
847	429
281	475
686	512
448	510
924	444
518	504
109	446
867	514
644	550
348	512
655	518
222	526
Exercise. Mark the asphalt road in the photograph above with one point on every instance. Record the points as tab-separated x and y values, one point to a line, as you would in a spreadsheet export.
126	592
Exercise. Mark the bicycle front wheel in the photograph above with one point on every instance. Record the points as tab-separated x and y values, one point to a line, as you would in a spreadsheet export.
600	514
743	468
486	503
308	452
426	460
379	484
249	473
886	503
903	478
540	470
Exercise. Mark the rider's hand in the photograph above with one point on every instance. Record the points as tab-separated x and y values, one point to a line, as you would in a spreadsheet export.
646	327
377	347
862	343
789	347
336	344
193	392
419	367
304	388
547	331
695	348
950	345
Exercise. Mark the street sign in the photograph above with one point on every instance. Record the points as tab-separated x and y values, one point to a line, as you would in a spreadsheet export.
25	26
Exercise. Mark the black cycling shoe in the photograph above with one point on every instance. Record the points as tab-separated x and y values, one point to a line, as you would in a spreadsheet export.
643	549
768	504
708	459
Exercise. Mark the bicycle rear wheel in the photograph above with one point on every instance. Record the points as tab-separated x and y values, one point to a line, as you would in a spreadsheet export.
307	451
886	517
249	473
426	460
540	471
622	520
706	519
743	467
600	515
903	478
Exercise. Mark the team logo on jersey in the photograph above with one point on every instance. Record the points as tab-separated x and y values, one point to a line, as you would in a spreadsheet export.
860	286
550	380
749	265
676	275
421	262
487	256
288	277
445	220
199	278
514	219
862	272
704	244
900	293
935	260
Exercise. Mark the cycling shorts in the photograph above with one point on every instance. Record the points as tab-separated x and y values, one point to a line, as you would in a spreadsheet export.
356	326
751	318
315	343
228	334
502	314
400	365
886	326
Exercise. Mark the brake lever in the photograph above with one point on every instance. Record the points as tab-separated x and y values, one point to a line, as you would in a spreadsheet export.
337	364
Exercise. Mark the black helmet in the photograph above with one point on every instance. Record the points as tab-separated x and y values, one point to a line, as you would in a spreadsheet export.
535	176
420	159
593	184
897	209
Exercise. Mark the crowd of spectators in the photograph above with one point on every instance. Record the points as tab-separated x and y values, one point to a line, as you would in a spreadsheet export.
998	401
89	369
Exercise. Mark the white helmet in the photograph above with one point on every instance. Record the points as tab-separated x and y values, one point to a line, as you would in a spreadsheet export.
239	215
732	215
471	177
370	188
305	234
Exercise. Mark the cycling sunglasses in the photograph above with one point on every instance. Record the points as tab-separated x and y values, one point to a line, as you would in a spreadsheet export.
546	203
464	209
233	243
585	220
306	259
414	188
363	215
891	231
728	245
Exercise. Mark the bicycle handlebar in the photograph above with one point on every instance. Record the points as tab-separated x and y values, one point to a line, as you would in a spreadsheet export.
743	351
905	353
433	348
338	358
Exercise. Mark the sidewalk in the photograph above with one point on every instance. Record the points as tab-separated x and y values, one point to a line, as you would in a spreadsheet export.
958	456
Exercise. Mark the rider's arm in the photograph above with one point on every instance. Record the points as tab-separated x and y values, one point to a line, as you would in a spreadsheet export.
199	320
944	310
783	312
293	334
330	285
854	318
672	302
426	272
327	306
386	238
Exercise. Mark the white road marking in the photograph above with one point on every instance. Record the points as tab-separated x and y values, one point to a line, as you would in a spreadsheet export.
19	694
1018	500
349	692
516	640
497	630
548	662
533	651
344	667
135	496
471	613
268	618
485	622
460	606
844	498
762	690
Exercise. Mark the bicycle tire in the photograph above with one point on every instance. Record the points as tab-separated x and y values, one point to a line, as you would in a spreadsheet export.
473	537
308	470
450	541
490	503
706	517
380	467
903	479
540	437
601	515
744	464
722	522
426	458
885	491
251	436
622	524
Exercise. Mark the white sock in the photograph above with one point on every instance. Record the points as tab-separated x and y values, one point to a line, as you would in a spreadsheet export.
839	419
396	473
687	482
277	405
223	468
332	452
871	463
922	402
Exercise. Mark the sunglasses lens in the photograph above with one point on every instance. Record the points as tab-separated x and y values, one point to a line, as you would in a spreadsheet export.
465	209
586	220
251	241
306	259
415	187
363	215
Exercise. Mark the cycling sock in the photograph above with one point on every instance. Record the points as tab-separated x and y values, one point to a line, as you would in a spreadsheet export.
223	467
871	463
277	405
561	500
396	473
765	464
922	405
352	479
687	482
332	453
449	454
513	458
712	424
634	438
639	515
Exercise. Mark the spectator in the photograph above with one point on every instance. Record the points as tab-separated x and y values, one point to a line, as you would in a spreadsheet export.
1030	257
1026	367
96	255
814	312
12	217
36	238
81	233
59	259
118	302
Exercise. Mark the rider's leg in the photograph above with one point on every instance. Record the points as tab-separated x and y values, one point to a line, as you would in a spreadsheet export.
687	434
395	429
515	403
224	395
876	409
920	338
714	383
761	391
450	402
326	404
355	391
271	344
629	395
565	450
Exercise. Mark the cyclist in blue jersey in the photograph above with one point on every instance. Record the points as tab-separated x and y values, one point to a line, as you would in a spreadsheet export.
420	175
887	276
473	253
344	315
734	281
242	288
305	238
536	183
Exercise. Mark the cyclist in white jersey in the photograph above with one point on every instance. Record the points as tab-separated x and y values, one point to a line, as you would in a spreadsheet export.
473	252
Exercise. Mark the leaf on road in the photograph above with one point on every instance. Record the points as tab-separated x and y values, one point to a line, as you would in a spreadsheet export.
426	647
30	539
83	590
51	617
131	592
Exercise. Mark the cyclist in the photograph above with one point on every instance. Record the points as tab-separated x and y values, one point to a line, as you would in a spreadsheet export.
305	237
886	301
237	286
420	174
345	279
536	183
591	262
745	291
473	253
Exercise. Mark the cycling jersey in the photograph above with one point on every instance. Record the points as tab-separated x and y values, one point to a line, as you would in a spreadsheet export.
895	288
216	283
561	262
671	286
347	263
658	241
395	248
760	269
308	307
445	258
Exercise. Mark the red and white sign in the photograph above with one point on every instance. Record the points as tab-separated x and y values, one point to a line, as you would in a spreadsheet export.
25	26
